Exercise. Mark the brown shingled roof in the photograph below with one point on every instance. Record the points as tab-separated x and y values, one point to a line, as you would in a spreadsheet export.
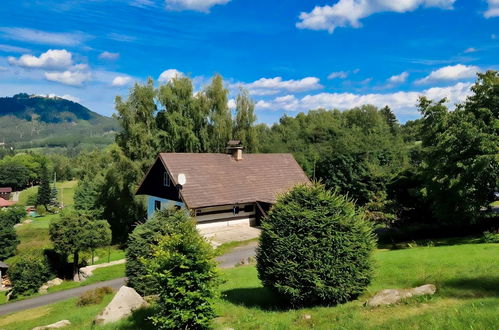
218	179
6	203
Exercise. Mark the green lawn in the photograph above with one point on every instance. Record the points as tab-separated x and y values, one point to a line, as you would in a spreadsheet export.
34	236
66	193
99	275
229	246
80	317
467	277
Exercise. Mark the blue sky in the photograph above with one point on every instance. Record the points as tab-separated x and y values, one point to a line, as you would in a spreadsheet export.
292	55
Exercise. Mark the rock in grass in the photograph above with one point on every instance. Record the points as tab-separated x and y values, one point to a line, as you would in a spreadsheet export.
392	296
43	289
57	325
123	304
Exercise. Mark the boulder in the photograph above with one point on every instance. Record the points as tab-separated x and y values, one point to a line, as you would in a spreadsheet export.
57	325
392	296
56	281
123	304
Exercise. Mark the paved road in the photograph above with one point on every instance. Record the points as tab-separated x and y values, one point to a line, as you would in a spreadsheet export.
57	296
239	253
228	260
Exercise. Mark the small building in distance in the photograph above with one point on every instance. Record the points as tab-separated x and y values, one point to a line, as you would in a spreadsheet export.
6	203
5	192
220	189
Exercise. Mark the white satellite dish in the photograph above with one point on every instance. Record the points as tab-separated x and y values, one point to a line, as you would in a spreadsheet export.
181	179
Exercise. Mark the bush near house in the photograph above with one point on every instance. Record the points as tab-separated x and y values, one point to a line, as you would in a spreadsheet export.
315	248
183	266
28	273
11	216
139	248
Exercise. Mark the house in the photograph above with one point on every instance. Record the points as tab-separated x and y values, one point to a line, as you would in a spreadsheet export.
5	192
6	203
220	189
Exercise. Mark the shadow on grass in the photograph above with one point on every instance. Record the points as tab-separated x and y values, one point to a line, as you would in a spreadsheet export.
431	242
261	298
484	286
138	320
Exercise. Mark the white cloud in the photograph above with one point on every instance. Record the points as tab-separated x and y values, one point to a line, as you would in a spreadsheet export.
398	79
196	5
50	60
232	104
339	74
450	72
470	50
121	37
270	86
349	12
169	74
109	56
401	102
120	81
142	3
72	78
13	49
493	10
43	37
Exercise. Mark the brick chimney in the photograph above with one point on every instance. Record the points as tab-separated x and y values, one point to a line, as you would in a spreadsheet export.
235	149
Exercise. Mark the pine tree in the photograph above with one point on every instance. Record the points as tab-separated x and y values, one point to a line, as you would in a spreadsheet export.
44	191
391	120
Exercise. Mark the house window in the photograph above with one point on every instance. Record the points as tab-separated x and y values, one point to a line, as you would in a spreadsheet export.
248	208
157	205
166	180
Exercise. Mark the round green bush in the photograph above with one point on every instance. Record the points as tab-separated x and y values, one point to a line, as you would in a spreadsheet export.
139	247
28	273
315	248
184	268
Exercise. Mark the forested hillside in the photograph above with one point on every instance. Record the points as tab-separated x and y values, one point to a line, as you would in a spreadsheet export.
29	121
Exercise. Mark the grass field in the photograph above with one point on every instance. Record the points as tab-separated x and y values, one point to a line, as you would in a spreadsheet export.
229	246
466	275
66	193
34	238
80	317
467	278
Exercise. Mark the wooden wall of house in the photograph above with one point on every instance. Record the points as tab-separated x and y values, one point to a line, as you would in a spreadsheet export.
226	215
154	184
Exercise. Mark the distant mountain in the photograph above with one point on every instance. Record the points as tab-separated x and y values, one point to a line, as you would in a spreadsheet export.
32	121
45	109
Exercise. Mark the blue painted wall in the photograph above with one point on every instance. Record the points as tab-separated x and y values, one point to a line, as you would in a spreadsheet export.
164	204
